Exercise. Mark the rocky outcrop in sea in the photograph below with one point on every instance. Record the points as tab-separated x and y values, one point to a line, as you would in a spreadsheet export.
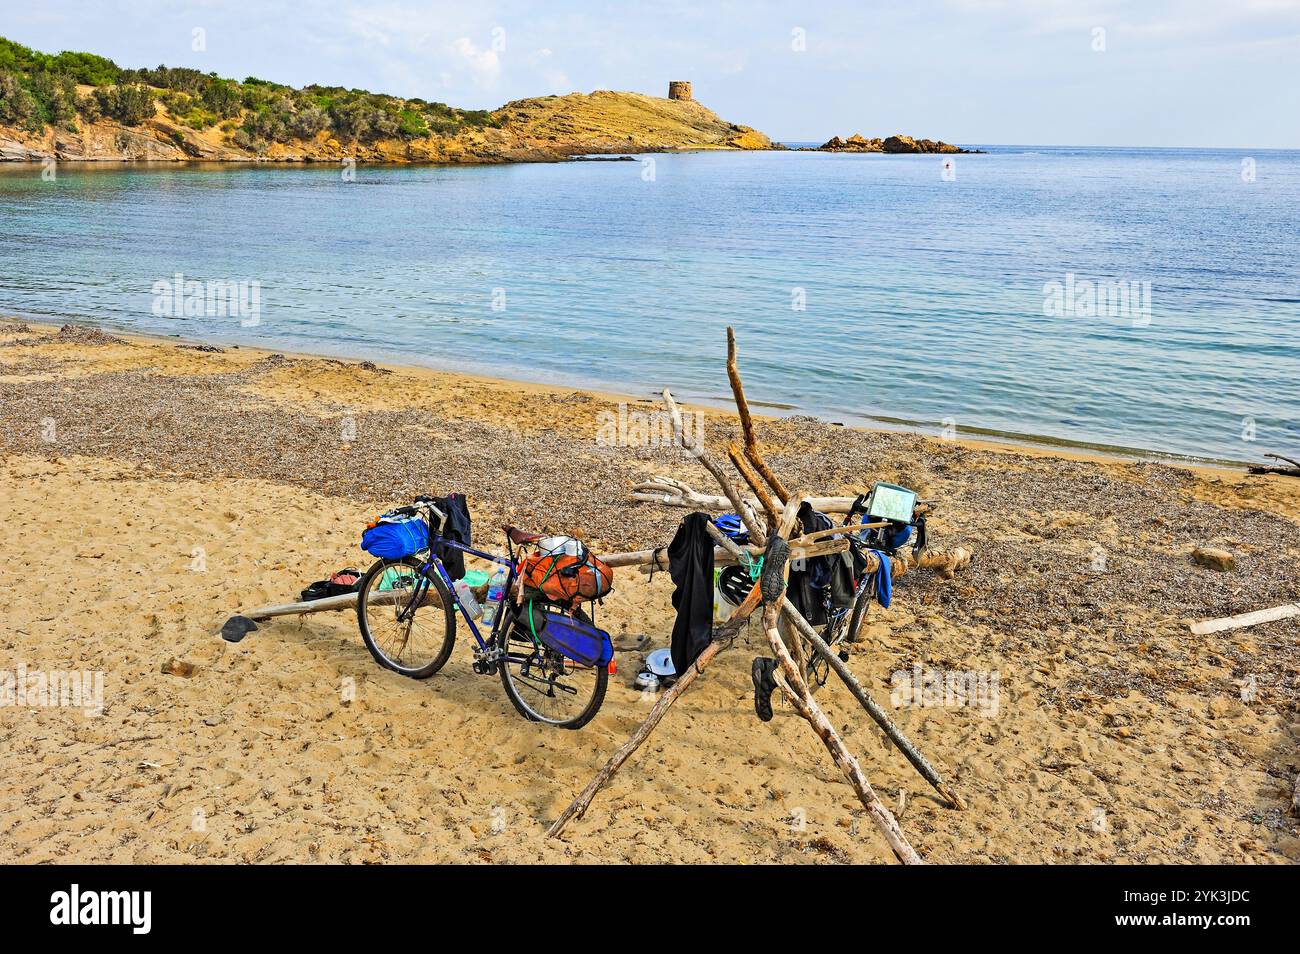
892	144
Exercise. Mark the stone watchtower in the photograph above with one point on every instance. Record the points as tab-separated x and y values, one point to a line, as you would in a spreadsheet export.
679	89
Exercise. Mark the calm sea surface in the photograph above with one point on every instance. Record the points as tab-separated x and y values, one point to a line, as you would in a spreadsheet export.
861	287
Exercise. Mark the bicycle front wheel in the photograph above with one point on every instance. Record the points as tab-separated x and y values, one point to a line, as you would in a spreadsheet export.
407	619
545	686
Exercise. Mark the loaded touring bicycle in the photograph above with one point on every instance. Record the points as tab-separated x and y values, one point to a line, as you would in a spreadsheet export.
553	662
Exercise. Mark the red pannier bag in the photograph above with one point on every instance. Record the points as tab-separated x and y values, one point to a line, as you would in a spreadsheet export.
564	571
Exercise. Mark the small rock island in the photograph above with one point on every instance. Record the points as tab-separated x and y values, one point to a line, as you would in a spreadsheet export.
892	144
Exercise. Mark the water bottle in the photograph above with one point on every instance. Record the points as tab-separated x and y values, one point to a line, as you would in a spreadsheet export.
495	594
465	596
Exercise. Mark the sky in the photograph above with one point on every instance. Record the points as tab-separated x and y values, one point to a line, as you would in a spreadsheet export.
1042	72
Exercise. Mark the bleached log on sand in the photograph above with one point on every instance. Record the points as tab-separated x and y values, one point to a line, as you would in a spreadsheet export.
1242	620
673	493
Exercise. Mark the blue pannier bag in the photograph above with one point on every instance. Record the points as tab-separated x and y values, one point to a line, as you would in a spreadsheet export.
570	637
395	536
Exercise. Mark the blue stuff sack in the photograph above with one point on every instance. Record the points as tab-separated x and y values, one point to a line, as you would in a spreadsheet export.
394	536
570	637
729	523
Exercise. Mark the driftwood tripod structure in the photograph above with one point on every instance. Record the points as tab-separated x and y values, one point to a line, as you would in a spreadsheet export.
772	536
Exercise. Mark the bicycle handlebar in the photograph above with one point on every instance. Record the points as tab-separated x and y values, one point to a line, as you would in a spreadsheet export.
426	502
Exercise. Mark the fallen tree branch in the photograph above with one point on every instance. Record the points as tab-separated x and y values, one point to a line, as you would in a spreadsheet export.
674	493
752	449
741	506
1292	471
946	563
1242	620
755	483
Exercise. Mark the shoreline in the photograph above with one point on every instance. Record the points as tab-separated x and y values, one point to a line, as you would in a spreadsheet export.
538	157
988	439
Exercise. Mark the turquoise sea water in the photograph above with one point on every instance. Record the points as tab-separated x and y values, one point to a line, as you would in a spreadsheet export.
922	300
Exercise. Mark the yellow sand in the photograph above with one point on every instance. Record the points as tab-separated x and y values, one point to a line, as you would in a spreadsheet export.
259	756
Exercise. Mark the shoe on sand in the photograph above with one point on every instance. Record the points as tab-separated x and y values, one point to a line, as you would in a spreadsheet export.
764	686
236	628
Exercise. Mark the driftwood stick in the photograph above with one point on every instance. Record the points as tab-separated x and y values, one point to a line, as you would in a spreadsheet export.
722	636
790	517
881	717
325	604
721	639
741	506
752	449
755	483
797	691
1292	471
735	553
673	493
1242	620
833	531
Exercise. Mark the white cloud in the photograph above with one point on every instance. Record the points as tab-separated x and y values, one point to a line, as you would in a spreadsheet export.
484	65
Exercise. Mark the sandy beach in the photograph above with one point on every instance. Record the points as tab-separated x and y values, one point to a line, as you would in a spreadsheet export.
153	488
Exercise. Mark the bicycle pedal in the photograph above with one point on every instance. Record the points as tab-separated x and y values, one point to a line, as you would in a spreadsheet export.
844	655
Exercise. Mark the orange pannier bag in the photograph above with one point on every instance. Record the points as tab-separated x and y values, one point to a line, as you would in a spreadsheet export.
565	571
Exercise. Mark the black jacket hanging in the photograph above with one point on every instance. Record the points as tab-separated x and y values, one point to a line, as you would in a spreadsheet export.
690	564
457	527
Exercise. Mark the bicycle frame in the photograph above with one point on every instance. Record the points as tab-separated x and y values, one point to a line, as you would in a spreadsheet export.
435	563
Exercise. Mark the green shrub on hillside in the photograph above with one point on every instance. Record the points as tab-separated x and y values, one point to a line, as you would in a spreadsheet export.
308	121
222	97
182	79
411	125
38	90
85	68
186	110
88	107
36	100
129	105
17	107
56	97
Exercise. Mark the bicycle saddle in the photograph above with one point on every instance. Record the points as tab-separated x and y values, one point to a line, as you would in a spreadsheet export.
521	536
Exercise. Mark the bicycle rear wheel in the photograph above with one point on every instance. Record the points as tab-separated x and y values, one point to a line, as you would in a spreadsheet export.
545	686
407	619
